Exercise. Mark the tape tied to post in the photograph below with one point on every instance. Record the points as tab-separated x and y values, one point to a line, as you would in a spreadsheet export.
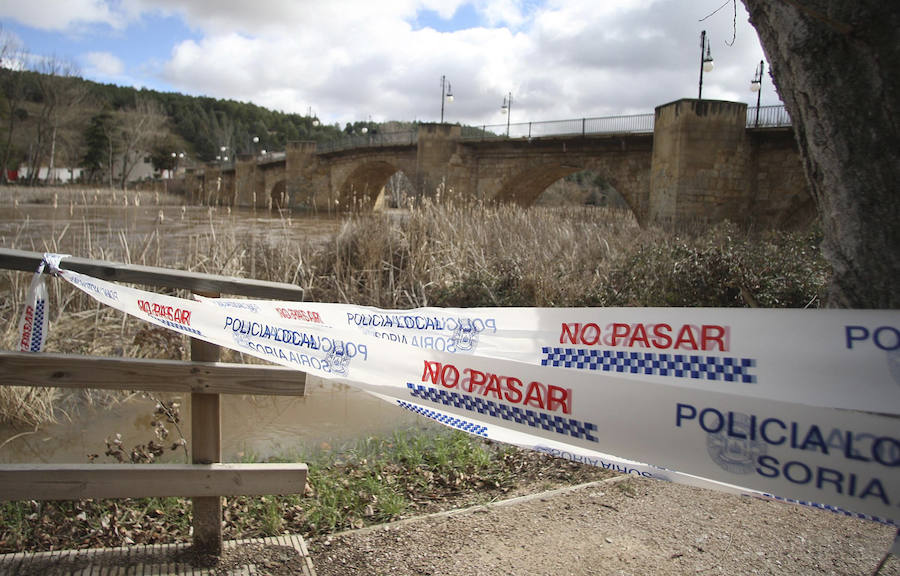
794	405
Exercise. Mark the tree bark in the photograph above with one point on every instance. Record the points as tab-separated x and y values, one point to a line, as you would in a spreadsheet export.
836	66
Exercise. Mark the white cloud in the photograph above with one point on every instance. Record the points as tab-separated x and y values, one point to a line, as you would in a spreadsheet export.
354	59
60	14
103	64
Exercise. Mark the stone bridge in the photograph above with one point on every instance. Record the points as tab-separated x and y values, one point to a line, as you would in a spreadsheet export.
701	162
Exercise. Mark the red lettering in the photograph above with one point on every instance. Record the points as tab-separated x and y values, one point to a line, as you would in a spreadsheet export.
639	335
592	337
294	314
432	372
448	371
26	329
714	335
493	386
503	388
569	331
513	390
686	336
559	396
661	338
534	396
475	377
619	331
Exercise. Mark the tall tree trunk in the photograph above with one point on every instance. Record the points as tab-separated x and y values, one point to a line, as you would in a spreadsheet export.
7	151
837	67
51	172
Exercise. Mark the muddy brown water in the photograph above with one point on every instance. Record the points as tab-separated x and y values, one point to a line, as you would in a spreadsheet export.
330	416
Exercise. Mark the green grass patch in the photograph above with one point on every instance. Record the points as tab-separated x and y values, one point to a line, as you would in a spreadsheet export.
374	481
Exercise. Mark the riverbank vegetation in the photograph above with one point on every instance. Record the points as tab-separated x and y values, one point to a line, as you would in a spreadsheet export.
435	254
378	480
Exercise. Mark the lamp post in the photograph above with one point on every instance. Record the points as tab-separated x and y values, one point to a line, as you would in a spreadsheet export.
255	142
506	108
175	159
756	86
445	97
706	61
222	158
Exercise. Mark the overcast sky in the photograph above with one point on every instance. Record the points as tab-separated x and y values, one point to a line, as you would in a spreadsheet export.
348	60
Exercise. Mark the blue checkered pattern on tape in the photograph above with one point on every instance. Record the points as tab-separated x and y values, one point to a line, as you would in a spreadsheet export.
558	424
463	425
651	363
37	326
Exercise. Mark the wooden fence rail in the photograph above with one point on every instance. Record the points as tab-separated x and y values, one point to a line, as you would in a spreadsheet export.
205	480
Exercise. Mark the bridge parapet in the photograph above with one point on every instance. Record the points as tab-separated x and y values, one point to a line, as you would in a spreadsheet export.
377	140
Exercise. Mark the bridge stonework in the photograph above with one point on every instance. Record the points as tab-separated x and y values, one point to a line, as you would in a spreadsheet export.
700	163
708	166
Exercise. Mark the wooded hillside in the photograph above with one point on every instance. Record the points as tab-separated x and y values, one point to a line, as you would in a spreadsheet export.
52	118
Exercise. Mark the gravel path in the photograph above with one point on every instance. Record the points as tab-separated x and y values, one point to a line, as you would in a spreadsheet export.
620	526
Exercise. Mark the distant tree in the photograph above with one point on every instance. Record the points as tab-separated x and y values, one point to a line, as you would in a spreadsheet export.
99	144
61	93
139	126
161	153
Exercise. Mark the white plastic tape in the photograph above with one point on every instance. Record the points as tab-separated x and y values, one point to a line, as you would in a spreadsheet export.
763	402
35	318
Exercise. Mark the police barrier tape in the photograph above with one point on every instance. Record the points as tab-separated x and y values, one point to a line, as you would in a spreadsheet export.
780	404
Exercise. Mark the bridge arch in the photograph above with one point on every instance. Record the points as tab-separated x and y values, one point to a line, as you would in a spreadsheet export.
627	176
524	187
278	195
364	187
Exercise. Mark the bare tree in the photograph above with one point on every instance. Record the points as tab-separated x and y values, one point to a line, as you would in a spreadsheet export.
140	126
12	57
837	67
61	93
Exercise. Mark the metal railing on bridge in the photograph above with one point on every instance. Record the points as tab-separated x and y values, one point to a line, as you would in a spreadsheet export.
768	117
635	123
762	117
378	139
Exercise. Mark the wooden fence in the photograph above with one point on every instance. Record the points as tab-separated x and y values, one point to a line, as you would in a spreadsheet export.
206	479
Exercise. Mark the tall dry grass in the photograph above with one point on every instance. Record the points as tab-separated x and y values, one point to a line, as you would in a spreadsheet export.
474	255
81	196
436	254
469	255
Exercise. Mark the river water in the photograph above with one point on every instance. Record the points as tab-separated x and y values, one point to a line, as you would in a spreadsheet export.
329	416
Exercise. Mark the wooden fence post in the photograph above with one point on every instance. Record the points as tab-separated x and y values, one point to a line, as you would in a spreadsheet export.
206	448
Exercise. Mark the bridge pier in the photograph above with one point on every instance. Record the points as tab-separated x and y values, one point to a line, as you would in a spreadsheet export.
438	166
708	166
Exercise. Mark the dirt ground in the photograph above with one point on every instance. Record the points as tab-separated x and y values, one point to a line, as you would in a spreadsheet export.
619	526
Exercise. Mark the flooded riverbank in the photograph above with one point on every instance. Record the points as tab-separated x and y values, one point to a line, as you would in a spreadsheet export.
254	428
146	229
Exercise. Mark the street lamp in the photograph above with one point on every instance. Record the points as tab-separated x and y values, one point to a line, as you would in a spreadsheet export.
756	86
448	97
506	108
255	142
706	61
175	159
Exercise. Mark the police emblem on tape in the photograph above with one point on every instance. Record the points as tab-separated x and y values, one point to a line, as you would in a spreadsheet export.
733	453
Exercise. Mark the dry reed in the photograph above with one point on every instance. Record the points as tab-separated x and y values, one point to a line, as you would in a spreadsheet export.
435	254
